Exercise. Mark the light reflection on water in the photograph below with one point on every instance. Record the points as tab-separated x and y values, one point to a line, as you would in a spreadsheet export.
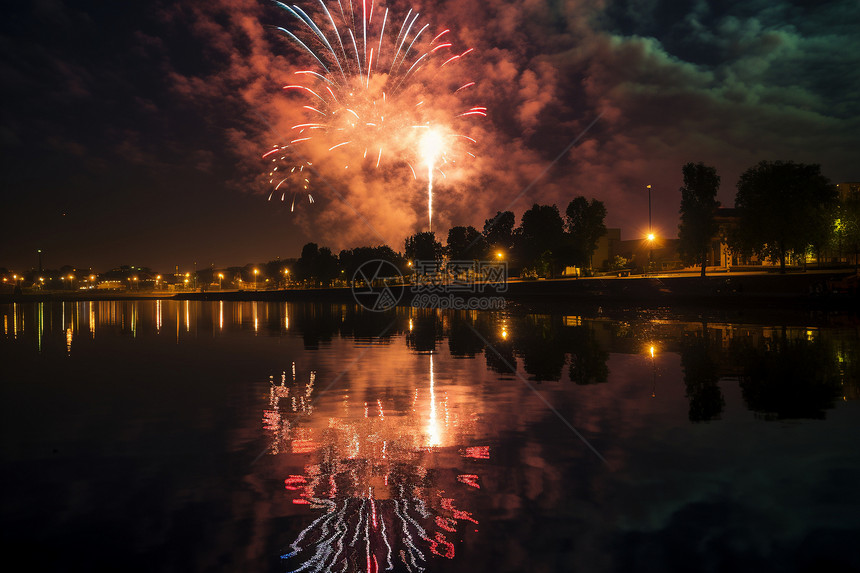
371	468
318	437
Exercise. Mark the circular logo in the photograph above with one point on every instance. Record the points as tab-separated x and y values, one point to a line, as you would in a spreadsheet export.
377	285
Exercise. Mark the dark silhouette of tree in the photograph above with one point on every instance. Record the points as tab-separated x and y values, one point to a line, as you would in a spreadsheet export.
423	247
306	265
788	378
499	231
542	231
698	209
587	358
351	259
328	268
701	375
780	204
317	266
465	243
585	226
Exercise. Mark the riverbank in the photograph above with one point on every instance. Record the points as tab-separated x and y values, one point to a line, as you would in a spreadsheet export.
805	289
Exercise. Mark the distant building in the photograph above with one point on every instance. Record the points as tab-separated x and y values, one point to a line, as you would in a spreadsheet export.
607	248
662	251
720	255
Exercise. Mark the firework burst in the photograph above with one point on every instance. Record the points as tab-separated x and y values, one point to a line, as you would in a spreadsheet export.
288	177
372	96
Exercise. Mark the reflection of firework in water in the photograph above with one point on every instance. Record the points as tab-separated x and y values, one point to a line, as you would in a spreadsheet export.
371	469
369	97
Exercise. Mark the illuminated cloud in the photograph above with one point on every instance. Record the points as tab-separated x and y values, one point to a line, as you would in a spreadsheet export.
200	84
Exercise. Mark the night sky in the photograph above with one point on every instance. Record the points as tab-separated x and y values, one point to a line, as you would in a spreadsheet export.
131	132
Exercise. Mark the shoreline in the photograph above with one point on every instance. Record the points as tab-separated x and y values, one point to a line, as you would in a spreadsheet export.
807	290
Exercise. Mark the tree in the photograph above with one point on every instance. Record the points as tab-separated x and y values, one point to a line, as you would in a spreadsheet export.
465	243
846	226
317	265
777	202
327	266
352	259
821	228
542	230
423	247
306	265
585	227
698	210
499	231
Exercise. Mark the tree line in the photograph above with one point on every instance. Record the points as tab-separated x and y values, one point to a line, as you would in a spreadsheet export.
542	244
782	208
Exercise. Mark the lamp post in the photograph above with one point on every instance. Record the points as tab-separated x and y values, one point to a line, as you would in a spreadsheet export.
650	232
220	278
255	278
649	209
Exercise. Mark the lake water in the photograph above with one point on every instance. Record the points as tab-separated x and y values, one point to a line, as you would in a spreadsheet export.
210	436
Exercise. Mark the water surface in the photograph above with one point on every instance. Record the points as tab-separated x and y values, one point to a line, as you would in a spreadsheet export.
183	436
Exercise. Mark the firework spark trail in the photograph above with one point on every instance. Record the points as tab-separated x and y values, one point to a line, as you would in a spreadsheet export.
286	174
369	94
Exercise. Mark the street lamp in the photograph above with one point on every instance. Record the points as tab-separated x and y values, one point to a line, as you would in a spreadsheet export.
255	278
649	209
220	278
499	255
650	232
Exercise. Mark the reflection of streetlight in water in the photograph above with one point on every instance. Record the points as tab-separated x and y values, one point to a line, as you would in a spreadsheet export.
654	372
371	468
